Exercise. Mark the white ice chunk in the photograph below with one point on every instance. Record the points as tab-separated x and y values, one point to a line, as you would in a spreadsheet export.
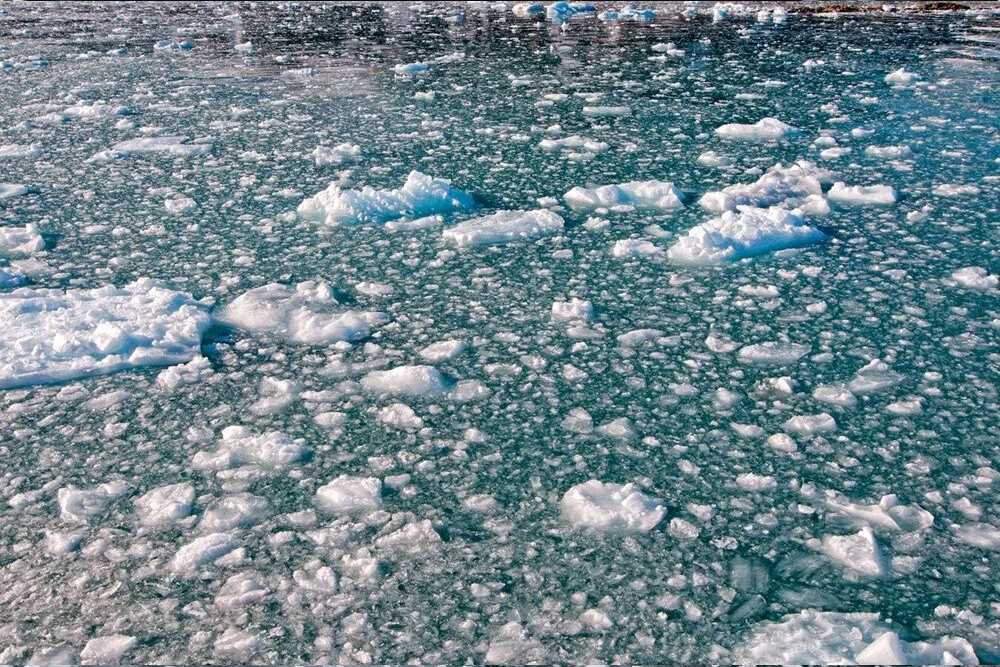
20	241
981	535
766	129
789	186
874	377
11	190
975	277
883	195
747	232
400	415
338	154
51	335
81	505
165	504
625	248
171	146
574	310
19	151
107	649
444	350
607	506
888	514
308	314
416	381
504	227
421	195
809	425
241	446
859	552
772	353
237	510
203	550
350	495
654	195
901	78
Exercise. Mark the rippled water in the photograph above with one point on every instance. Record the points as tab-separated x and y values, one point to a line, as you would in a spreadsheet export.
489	473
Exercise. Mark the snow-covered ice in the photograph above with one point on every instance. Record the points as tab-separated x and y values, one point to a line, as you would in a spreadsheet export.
747	232
607	506
505	227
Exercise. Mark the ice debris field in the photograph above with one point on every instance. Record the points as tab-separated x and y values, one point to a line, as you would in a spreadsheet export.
499	333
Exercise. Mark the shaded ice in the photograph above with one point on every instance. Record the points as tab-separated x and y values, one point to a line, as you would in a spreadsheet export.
20	241
859	552
51	335
504	227
792	185
11	190
307	313
420	195
608	506
744	233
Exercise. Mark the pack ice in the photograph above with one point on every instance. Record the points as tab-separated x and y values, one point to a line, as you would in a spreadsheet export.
656	195
608	506
420	195
747	232
52	335
504	227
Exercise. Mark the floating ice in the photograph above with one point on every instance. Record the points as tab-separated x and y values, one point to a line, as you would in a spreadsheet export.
95	109
862	194
809	425
410	68
420	195
656	195
417	381
813	637
606	111
165	504
859	552
179	205
887	514
747	232
766	129
404	225
981	535
202	551
19	151
338	154
574	310
172	146
889	152
237	510
504	227
11	190
512	646
20	241
350	495
107	649
80	505
772	353
608	506
901	78
169	45
790	186
636	248
975	277
874	377
524	9
400	415
308	314
182	374
444	350
573	142
51	335
955	189
242	446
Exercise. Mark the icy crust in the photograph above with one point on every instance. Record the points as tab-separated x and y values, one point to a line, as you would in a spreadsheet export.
813	637
504	227
791	186
747	232
20	241
307	313
656	195
420	196
608	506
172	146
766	129
51	335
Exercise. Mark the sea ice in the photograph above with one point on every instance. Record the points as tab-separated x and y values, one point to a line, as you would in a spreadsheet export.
772	353
51	335
80	505
574	310
201	551
747	232
172	146
862	194
504	227
607	506
975	277
789	186
859	552
11	190
635	248
421	195
416	381
165	504
242	446
655	195
338	154
350	495
20	241
766	129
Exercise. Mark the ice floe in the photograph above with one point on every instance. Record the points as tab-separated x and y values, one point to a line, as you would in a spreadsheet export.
505	227
241	446
884	195
790	186
747	232
766	129
20	241
175	146
608	506
655	195
976	278
350	495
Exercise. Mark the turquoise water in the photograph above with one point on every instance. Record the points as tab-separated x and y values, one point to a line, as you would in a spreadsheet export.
884	277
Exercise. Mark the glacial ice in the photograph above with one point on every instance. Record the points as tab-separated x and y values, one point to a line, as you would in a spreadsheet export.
420	195
653	195
608	506
20	241
789	186
505	227
350	495
174	146
747	232
862	194
52	335
766	129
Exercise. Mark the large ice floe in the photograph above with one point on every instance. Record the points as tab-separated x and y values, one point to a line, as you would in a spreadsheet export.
52	335
174	146
766	129
655	195
800	184
307	313
813	637
747	232
504	227
20	241
607	506
420	195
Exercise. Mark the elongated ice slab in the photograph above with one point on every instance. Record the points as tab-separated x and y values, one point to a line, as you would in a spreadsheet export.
790	186
51	335
504	227
747	232
11	190
813	637
20	241
416	381
307	313
862	194
766	129
170	146
346	495
421	195
607	506
656	195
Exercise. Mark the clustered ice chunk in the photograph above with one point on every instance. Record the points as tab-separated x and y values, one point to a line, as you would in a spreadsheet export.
608	506
884	195
574	310
766	129
656	195
241	446
975	277
19	151
415	381
504	227
813	637
175	146
52	335
791	186
307	313
11	190
338	154
20	241
747	232
78	505
165	505
350	495
421	195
